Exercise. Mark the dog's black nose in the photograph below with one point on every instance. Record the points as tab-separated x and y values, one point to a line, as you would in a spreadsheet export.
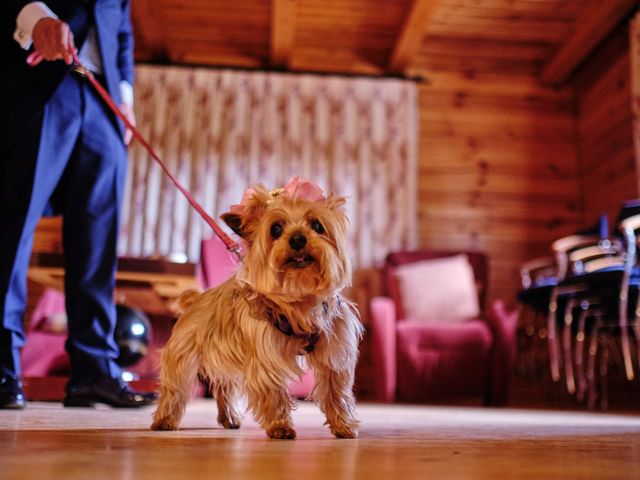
297	241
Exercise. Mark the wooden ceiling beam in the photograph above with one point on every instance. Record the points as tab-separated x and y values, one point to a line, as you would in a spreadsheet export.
592	27
283	15
413	30
149	30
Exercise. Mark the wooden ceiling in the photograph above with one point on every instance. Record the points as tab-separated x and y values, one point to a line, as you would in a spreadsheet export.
543	38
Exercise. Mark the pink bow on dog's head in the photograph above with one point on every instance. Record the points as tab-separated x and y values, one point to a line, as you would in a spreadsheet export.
297	189
239	208
302	189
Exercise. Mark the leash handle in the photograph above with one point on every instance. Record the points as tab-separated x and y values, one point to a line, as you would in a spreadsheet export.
231	245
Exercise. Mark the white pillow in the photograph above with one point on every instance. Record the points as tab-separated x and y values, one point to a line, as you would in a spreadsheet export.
438	290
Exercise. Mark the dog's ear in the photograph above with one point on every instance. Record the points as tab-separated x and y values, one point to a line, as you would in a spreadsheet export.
335	202
243	218
234	221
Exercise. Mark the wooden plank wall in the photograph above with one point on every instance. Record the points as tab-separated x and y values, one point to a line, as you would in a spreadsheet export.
499	155
607	160
498	169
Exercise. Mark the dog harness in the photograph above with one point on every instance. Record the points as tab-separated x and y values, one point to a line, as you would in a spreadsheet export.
281	322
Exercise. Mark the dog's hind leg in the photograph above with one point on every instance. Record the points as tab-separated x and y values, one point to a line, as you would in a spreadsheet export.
228	416
180	365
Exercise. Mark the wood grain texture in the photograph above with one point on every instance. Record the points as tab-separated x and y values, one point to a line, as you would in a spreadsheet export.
283	14
595	23
498	169
409	442
608	166
414	27
358	36
506	164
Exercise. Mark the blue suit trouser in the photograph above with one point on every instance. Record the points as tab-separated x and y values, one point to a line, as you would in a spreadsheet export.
79	158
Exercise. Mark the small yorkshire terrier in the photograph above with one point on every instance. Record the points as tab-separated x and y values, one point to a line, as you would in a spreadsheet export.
244	337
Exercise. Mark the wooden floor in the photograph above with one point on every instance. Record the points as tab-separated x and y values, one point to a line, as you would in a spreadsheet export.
46	441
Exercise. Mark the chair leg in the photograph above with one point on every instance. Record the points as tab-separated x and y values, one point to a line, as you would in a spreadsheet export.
581	376
541	349
591	365
524	363
566	347
624	335
552	337
603	371
636	329
626	351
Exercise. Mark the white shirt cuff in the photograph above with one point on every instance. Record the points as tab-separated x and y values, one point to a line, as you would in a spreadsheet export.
30	14
126	92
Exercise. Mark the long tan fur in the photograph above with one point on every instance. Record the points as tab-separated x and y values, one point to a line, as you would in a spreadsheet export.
227	336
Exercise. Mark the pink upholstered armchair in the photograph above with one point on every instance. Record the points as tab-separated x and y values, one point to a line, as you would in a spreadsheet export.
418	360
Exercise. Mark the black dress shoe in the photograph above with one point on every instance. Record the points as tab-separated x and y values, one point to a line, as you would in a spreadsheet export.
11	393
111	391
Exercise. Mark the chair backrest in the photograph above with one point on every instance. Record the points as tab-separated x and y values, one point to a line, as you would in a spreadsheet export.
539	272
629	208
589	237
478	261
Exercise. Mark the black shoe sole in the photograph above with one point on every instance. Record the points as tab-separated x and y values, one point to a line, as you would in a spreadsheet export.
88	402
13	406
78	402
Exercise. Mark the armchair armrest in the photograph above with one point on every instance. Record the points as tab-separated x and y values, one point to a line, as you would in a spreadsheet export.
503	322
383	337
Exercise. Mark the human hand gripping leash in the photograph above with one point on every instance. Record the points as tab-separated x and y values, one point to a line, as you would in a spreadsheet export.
81	70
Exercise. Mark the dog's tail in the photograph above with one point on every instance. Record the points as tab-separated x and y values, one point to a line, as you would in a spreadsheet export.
186	299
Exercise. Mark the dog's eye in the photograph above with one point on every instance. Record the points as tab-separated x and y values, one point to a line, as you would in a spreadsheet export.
276	231
317	227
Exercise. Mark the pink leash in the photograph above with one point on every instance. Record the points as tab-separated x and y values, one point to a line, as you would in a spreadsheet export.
231	245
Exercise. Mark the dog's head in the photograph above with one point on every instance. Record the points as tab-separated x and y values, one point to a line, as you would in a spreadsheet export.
296	240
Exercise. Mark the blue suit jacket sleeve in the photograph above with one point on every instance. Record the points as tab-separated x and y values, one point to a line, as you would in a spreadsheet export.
125	42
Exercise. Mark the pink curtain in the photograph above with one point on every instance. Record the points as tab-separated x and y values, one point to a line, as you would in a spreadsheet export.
221	131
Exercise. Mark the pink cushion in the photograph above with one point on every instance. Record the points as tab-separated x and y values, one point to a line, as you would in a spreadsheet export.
472	335
49	314
438	290
44	354
477	260
441	361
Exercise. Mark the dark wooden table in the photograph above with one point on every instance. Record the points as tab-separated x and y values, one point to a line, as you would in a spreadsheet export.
149	284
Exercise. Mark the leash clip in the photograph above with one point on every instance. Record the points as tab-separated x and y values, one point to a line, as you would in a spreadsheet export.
235	250
81	70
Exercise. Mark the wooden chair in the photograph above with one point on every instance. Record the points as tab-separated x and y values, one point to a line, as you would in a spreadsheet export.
600	291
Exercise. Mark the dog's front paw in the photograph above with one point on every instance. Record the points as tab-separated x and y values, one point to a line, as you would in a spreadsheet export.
164	424
282	433
345	432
